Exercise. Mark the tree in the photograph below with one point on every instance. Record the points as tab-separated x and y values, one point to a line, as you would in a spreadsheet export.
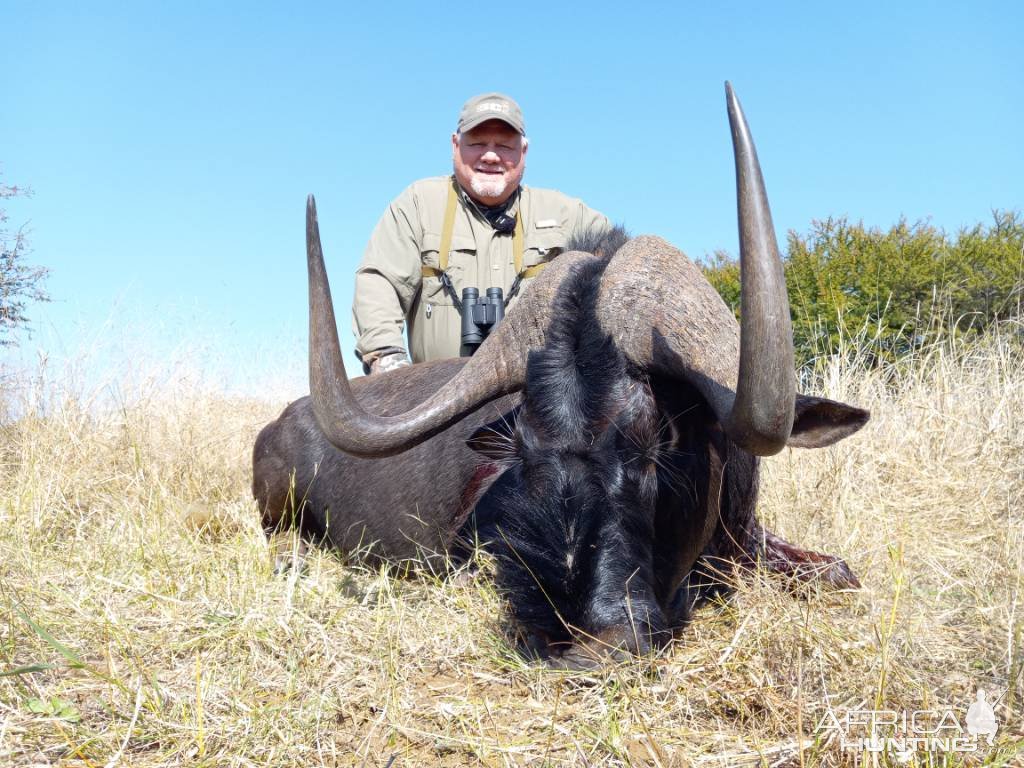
20	282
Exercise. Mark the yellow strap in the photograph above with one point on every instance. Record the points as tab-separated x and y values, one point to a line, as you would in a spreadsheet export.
449	226
517	241
533	271
446	242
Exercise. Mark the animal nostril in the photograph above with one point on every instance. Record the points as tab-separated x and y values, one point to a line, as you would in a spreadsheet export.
615	644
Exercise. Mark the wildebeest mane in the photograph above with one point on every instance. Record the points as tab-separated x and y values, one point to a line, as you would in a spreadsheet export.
598	240
585	513
570	380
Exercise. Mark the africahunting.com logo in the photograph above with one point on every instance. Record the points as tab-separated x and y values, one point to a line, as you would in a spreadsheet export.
904	733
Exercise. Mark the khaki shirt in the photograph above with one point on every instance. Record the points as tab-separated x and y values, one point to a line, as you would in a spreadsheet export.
390	289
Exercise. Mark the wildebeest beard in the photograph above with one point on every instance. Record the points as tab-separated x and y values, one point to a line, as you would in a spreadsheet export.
602	512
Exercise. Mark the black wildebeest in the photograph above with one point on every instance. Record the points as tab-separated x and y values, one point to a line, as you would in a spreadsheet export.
626	473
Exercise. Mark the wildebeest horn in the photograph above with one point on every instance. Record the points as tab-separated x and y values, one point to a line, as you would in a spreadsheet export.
666	317
498	367
762	415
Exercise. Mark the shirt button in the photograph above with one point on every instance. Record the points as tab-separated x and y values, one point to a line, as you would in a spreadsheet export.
496	266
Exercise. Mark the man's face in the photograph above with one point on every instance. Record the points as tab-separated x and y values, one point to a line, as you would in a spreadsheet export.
489	161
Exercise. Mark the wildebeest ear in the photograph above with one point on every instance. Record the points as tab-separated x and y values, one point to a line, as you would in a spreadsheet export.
494	440
818	422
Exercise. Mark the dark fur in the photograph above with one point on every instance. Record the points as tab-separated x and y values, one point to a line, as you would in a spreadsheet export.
406	507
601	515
616	485
600	242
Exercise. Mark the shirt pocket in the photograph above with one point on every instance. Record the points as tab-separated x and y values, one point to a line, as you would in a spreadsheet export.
542	245
462	252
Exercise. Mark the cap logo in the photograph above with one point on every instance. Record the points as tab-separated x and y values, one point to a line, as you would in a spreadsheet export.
491	106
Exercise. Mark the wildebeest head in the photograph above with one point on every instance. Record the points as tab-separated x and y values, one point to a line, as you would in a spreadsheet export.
577	503
615	482
644	407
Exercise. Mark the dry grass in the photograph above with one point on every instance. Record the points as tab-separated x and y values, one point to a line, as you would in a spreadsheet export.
141	623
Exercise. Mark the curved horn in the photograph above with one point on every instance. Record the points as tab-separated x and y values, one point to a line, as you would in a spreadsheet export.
498	367
761	419
666	317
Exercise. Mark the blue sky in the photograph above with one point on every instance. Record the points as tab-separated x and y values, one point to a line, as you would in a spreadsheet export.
170	147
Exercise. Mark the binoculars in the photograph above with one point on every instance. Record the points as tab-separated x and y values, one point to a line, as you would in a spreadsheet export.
479	315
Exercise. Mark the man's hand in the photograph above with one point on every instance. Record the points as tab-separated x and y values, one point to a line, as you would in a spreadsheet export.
385	360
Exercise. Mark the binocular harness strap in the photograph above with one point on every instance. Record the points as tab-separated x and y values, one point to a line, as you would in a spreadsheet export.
448	228
446	245
517	245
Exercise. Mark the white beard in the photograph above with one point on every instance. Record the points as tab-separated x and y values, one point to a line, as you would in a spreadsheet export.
487	187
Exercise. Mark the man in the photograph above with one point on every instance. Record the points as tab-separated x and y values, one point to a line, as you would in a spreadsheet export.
479	228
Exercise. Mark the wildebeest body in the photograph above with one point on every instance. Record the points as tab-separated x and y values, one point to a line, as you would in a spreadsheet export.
404	507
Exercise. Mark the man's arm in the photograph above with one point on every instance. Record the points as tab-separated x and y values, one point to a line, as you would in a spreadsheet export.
387	281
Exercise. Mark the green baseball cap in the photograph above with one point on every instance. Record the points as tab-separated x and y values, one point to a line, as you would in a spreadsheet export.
491	106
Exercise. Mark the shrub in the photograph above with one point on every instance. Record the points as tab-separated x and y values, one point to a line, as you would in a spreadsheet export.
896	282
